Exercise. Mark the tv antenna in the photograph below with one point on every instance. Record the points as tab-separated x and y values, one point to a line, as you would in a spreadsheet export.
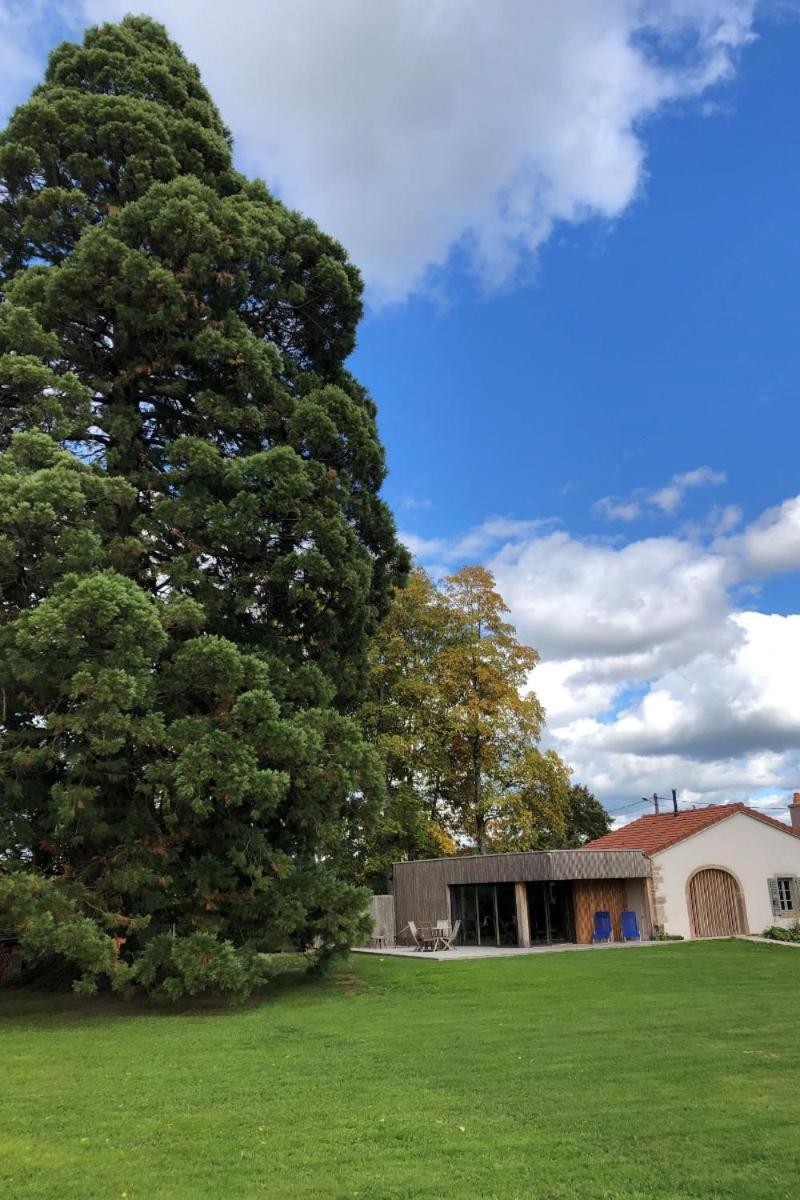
656	799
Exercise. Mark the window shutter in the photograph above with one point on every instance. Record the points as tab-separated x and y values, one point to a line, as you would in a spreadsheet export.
774	897
796	895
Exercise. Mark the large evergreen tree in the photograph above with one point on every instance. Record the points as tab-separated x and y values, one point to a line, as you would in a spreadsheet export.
193	552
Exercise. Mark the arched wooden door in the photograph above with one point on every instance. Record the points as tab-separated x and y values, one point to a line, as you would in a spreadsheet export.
716	905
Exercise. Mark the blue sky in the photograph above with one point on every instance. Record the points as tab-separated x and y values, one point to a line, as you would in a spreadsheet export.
578	227
644	347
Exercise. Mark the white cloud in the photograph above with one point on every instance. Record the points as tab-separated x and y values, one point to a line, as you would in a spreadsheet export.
772	543
716	523
615	509
670	498
723	520
570	691
451	553
631	602
20	61
410	503
665	500
422	547
651	676
410	128
740	697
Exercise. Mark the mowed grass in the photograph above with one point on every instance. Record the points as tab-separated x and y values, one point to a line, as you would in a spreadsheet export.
668	1071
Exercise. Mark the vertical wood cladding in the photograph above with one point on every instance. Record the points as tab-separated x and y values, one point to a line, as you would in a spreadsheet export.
421	889
716	906
591	896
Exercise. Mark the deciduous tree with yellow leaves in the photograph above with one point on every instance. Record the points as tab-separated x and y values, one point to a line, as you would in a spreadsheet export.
453	713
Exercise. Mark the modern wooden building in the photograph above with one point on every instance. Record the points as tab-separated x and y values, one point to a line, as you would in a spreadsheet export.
709	872
540	897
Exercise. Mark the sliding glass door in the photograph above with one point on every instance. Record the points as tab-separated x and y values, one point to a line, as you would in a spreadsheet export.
487	911
550	912
487	923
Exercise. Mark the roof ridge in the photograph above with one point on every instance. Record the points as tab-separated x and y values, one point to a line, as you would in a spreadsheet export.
653	832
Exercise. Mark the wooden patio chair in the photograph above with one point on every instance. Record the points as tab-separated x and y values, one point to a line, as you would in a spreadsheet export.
428	936
448	937
440	929
418	942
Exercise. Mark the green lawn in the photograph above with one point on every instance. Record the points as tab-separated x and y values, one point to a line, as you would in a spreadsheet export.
669	1071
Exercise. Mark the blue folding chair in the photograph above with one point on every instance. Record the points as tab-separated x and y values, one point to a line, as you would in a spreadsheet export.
602	927
629	926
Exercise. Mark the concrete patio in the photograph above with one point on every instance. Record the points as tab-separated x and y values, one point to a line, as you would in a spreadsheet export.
461	953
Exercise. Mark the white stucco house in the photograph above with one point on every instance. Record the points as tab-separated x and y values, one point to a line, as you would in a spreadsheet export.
716	871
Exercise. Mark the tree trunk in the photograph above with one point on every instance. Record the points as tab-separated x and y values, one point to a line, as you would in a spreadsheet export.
480	830
480	820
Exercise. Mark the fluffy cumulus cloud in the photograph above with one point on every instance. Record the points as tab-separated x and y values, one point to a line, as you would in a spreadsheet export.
634	602
651	675
412	128
772	544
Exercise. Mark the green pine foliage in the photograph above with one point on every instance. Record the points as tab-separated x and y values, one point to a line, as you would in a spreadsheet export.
193	550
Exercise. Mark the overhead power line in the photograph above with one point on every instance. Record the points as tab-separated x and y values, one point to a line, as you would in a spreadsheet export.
655	800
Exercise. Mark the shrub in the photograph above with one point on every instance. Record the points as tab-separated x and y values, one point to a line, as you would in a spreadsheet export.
780	933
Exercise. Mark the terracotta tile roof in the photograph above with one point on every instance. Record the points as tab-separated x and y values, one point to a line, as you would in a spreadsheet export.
653	833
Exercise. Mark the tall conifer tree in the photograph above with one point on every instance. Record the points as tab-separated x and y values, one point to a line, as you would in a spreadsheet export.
193	551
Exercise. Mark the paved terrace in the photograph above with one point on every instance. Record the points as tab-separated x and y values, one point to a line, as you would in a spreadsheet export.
464	952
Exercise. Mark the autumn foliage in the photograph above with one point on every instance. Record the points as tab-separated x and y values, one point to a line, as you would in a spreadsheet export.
453	710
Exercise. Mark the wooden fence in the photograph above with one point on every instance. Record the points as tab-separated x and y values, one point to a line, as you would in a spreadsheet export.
382	909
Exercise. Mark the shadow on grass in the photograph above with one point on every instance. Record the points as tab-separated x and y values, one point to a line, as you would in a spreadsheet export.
45	1007
359	975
